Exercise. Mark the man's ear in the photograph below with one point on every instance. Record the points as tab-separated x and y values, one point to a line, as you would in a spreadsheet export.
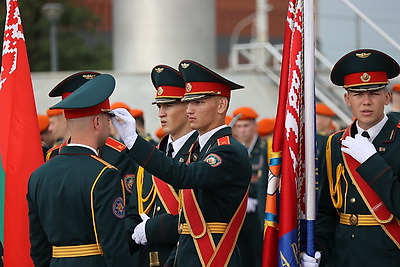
223	104
96	121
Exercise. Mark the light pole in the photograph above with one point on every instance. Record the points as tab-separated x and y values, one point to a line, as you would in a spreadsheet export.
53	12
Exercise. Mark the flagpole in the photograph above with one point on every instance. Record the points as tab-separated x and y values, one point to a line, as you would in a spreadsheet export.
309	121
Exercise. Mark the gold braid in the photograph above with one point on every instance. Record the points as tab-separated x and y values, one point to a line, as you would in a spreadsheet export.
139	187
334	187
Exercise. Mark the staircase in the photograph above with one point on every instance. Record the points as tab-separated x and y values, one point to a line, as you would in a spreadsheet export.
266	57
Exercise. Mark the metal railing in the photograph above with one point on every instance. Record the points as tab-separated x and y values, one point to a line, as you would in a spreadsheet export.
266	57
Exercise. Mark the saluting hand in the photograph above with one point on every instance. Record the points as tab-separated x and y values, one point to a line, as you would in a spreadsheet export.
358	147
125	125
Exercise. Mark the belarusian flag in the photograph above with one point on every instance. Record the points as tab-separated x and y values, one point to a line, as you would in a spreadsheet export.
20	146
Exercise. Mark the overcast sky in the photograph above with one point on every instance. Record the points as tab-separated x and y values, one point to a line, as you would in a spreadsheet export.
337	26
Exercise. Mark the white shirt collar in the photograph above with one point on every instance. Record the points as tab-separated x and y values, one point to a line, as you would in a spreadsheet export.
178	143
89	147
204	137
374	130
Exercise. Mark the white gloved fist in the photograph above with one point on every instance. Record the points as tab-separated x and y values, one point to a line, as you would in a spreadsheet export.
139	234
125	125
358	147
307	261
251	205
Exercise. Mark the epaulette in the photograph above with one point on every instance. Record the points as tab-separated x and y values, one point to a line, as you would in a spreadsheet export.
225	140
104	162
115	144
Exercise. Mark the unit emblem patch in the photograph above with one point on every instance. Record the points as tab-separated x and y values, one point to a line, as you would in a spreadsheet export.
129	180
213	159
118	208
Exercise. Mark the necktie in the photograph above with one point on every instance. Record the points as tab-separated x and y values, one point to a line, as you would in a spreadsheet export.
170	150
365	134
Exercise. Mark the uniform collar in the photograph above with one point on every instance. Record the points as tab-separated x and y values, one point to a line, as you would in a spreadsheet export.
374	130
204	137
178	143
85	146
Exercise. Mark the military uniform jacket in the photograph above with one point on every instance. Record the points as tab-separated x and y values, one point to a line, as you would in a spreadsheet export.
258	159
220	178
67	196
162	228
352	245
114	152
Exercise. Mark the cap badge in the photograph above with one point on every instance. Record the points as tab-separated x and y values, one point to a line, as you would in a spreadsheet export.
160	91
88	76
159	70
185	65
363	55
365	77
188	87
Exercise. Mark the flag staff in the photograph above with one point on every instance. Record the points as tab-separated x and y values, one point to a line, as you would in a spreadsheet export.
309	122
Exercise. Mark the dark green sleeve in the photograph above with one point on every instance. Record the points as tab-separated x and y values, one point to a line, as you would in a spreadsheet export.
199	174
327	216
382	179
41	250
109	213
162	229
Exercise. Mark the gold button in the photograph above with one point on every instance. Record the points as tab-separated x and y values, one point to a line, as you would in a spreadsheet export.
158	208
352	200
353	219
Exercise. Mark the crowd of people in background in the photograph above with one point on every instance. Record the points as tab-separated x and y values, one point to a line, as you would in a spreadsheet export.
182	202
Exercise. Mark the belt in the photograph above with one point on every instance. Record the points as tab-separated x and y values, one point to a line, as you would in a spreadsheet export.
358	219
213	227
77	251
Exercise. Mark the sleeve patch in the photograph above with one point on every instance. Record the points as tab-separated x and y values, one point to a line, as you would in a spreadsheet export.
213	160
129	180
118	208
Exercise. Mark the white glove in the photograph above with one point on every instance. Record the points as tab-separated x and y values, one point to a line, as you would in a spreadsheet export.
307	261
358	147
125	125
251	204
139	234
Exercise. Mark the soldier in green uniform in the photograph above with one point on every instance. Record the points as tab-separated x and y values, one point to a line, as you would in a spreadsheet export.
251	236
76	207
153	199
357	220
215	180
395	101
113	151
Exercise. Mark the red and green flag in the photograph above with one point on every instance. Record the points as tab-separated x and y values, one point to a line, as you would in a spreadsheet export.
20	146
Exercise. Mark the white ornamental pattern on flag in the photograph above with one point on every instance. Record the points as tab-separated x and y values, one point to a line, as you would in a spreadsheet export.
12	34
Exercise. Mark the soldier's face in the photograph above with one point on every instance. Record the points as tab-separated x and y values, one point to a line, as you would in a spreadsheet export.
58	127
173	118
244	130
203	114
368	107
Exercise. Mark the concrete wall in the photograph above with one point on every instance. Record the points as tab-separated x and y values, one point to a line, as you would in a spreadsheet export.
151	32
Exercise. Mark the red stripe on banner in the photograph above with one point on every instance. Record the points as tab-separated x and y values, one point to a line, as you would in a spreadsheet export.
287	140
20	145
